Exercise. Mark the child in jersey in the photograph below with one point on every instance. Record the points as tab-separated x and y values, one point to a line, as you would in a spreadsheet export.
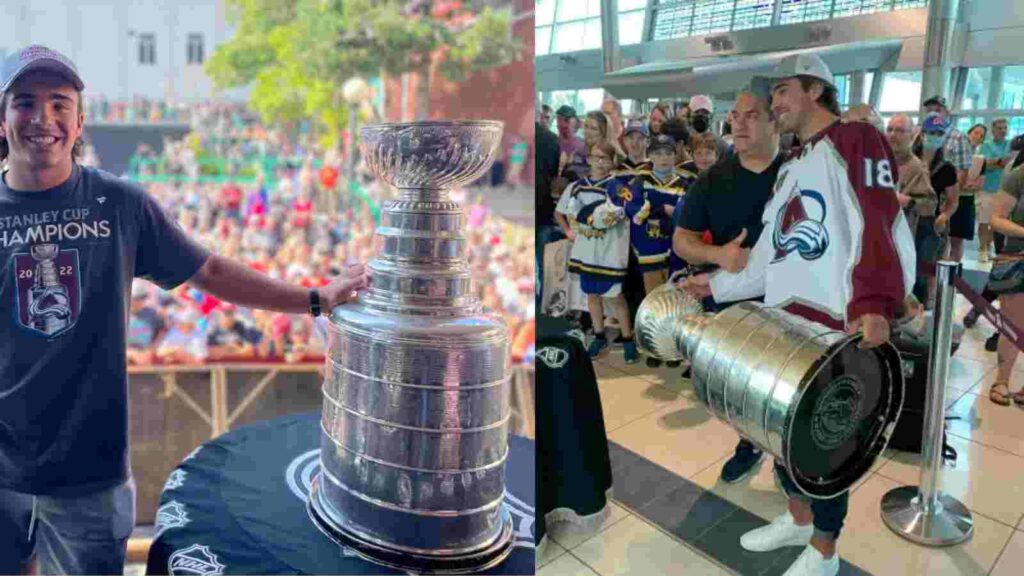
599	233
650	202
635	139
704	154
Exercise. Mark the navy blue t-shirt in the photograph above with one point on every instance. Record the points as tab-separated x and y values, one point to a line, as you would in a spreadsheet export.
67	259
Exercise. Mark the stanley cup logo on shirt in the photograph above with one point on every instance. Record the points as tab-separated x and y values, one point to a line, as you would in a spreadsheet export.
48	288
49	306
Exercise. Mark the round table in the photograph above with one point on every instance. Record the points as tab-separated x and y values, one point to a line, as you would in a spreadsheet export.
237	505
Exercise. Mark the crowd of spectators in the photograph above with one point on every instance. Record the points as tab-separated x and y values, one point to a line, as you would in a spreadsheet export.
948	179
292	221
142	110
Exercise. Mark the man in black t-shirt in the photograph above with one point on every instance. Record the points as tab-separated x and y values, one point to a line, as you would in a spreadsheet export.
72	238
546	170
722	214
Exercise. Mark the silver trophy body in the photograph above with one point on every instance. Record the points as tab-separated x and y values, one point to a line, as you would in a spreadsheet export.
416	396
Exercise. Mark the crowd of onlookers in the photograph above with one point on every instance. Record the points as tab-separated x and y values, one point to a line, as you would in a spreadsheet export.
142	110
292	221
948	179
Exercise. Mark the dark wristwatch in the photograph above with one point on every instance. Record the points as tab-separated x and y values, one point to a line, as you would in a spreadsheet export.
314	303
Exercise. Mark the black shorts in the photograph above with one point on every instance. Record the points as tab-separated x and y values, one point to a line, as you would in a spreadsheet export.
961	225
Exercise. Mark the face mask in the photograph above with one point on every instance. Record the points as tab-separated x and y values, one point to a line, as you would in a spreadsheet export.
932	142
700	123
662	174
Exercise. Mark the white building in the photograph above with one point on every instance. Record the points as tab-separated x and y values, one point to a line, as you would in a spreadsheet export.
124	48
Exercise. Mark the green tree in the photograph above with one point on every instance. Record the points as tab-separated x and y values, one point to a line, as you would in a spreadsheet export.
296	54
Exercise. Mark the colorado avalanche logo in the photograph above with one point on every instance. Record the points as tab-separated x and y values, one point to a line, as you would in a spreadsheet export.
796	230
49	291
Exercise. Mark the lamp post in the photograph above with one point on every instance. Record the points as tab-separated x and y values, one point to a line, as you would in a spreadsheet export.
355	90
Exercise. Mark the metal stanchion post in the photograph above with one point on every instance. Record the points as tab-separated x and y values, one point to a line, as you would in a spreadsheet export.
924	514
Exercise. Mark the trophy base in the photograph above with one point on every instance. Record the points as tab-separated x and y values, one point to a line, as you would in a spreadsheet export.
441	563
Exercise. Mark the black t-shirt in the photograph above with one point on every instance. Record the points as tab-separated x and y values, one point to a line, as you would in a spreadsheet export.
546	168
943	175
68	256
728	198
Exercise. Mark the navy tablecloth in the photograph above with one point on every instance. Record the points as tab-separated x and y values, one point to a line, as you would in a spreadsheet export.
237	505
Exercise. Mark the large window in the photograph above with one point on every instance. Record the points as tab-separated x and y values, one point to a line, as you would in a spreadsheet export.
631	21
194	52
567	25
571	25
674	19
147	49
901	91
794	11
977	89
582	101
1013	88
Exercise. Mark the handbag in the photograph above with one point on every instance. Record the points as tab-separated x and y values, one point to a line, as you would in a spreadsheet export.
1006	275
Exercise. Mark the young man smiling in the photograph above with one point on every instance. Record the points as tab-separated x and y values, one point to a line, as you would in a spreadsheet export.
71	241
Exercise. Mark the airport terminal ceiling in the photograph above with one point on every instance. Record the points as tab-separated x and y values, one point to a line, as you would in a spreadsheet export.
674	49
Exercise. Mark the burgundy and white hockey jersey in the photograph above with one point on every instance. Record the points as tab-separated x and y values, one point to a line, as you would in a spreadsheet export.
835	244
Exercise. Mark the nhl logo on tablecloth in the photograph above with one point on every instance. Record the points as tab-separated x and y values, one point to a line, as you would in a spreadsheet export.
522	520
196	560
193	453
553	357
170	515
175	480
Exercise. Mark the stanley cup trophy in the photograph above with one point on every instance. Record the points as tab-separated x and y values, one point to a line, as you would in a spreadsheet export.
806	394
416	394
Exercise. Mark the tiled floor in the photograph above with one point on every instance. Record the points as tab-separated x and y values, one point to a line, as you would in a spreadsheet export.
651	413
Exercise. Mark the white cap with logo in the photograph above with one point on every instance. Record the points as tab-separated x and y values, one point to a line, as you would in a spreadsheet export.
38	57
792	66
701	102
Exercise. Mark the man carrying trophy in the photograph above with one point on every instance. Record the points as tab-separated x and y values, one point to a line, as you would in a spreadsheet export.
835	250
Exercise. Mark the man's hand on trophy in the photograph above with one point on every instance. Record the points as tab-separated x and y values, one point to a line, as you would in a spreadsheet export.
698	285
345	287
733	256
874	327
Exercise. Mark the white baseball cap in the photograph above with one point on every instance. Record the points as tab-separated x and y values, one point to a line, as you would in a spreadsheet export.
38	57
791	66
701	102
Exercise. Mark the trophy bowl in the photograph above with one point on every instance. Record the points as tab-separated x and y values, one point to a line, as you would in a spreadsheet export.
44	251
663	322
433	155
414	428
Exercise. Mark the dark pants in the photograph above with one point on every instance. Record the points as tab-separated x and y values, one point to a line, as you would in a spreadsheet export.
546	234
828	514
85	534
927	244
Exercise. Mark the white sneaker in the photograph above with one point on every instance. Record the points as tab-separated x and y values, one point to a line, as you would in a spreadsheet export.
783	531
812	563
